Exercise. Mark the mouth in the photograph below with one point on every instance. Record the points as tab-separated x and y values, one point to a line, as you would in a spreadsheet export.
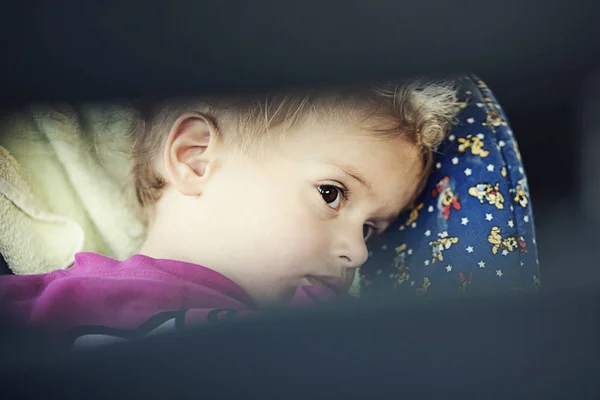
338	285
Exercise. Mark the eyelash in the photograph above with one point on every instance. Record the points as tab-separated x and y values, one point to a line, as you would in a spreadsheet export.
342	192
372	234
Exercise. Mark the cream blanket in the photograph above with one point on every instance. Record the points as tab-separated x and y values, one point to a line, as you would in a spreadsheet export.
65	187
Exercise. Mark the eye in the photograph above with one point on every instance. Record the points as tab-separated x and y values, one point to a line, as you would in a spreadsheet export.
332	195
368	231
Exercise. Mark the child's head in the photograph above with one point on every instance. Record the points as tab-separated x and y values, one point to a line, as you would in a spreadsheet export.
276	191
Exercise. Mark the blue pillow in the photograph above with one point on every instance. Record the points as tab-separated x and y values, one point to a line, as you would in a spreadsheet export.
472	230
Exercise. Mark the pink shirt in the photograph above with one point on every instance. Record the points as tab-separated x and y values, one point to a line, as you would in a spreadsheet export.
120	296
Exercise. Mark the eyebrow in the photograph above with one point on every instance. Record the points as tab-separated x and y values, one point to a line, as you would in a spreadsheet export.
355	175
389	220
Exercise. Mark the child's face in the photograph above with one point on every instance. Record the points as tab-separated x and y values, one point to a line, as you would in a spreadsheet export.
298	214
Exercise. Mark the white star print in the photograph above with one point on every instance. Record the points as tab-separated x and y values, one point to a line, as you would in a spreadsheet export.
504	252
430	209
469	249
533	240
480	105
451	137
413	225
512	208
426	262
501	143
526	218
438	165
401	227
534	277
412	283
470	120
409	252
449	268
522	263
481	136
468	92
427	233
464	220
384	247
511	223
455	160
499	272
490	167
370	254
489	217
481	264
468	172
521	170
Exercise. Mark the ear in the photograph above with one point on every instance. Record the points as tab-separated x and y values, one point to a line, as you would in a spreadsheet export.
190	153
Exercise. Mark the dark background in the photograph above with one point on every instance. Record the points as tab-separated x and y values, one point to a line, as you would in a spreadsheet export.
539	57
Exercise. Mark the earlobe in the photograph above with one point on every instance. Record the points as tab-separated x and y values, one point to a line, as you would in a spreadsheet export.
189	153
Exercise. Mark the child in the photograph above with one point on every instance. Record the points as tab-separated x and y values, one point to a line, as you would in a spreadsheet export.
252	202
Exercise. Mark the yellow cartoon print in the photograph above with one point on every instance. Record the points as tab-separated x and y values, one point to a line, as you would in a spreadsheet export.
439	245
474	143
422	290
494	119
400	265
508	244
485	192
481	84
516	146
520	191
448	200
414	214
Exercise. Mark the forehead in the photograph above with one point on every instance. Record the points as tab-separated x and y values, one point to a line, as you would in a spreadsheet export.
390	166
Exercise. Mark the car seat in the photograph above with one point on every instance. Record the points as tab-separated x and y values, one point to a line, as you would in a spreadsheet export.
472	230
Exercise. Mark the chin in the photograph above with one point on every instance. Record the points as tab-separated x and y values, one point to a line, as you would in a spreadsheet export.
275	300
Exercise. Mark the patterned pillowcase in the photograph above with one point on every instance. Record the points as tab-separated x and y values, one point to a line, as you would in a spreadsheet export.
472	230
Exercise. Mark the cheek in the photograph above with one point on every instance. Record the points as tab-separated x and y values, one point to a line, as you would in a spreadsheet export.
291	240
270	223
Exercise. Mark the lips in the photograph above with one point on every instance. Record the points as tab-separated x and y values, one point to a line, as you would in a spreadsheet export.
338	285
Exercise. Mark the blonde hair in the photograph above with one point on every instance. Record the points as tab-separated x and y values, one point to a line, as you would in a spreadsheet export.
419	111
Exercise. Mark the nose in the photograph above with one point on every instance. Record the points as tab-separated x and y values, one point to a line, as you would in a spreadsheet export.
354	251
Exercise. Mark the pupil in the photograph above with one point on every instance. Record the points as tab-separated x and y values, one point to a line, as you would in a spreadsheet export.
329	193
